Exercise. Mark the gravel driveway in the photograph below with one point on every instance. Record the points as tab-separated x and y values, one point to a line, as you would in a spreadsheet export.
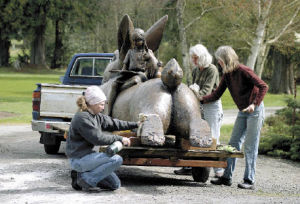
28	175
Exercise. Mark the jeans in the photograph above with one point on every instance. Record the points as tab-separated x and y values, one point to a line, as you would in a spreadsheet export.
246	129
98	168
213	114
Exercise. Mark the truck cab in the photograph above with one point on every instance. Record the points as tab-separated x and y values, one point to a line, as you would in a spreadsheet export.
54	105
87	68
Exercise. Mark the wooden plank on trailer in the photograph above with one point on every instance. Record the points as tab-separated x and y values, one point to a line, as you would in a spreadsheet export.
172	152
169	152
171	163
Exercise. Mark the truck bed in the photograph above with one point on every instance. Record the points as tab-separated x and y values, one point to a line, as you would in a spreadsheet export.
59	100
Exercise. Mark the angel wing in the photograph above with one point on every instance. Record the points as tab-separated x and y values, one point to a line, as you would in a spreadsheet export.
155	33
124	39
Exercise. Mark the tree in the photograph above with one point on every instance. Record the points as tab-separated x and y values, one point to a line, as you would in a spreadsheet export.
203	7
274	19
10	15
59	13
251	27
285	61
35	20
182	37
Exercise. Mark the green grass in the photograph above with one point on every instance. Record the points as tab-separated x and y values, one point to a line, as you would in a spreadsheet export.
226	131
16	91
270	100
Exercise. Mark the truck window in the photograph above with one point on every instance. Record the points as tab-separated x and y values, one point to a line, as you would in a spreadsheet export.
100	65
83	67
89	67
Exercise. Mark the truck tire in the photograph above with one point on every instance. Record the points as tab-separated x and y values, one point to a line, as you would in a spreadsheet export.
52	149
200	174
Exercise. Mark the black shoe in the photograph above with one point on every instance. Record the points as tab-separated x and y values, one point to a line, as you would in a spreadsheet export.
247	185
74	181
222	181
83	184
184	171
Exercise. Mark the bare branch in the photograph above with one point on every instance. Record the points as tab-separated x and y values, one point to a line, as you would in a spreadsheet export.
201	15
248	43
243	48
284	28
266	12
183	8
291	4
259	9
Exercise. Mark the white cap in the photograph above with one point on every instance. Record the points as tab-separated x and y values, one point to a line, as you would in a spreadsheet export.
94	95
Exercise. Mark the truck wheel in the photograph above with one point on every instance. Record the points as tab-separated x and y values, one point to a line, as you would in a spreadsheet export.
52	149
200	174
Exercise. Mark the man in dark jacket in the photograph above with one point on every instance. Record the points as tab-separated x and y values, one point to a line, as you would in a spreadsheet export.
89	168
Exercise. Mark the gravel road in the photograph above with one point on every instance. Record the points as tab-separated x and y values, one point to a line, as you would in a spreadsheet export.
28	175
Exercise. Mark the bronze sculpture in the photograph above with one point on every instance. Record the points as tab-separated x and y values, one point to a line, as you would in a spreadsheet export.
175	104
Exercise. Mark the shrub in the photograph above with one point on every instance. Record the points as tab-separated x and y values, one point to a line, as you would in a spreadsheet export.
281	135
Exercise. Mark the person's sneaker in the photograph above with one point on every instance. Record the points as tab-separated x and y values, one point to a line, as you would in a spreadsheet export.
246	185
74	181
184	171
222	181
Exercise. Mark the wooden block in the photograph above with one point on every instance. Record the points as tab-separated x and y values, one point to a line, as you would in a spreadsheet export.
125	133
135	141
185	145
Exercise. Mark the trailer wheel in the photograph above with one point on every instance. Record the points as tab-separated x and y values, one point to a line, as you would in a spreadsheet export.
200	174
52	149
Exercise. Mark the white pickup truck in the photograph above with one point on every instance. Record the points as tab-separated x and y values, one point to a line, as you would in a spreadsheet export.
54	105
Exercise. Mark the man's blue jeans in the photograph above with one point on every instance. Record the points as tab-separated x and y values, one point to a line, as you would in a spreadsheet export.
99	168
246	129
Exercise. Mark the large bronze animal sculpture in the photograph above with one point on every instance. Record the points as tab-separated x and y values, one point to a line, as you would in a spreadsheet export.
175	104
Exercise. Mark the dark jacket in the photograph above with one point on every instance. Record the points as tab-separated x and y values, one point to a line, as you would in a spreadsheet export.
86	132
244	86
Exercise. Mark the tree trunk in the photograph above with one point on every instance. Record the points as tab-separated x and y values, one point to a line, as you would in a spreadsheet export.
283	74
58	48
261	59
258	41
4	51
37	54
182	38
290	88
256	44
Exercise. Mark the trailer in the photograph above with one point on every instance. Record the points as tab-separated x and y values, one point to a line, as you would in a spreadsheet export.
200	159
171	155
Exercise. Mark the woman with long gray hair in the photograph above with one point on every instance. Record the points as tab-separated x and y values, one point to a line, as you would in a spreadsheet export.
205	79
247	91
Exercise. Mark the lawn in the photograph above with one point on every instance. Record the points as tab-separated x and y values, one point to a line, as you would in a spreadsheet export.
16	93
270	100
225	133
